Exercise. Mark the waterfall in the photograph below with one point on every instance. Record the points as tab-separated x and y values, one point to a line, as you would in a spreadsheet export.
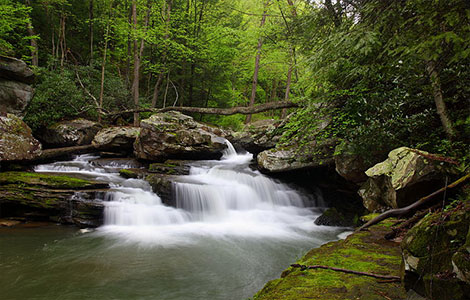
221	197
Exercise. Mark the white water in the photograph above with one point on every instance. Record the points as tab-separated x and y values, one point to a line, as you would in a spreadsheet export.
219	199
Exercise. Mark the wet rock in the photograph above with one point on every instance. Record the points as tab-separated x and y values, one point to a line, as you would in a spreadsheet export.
116	138
436	260
175	135
162	185
351	167
69	133
16	140
171	167
15	89
333	217
133	173
401	179
63	199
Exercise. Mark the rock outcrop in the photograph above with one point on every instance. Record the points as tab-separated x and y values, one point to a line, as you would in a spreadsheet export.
62	199
258	136
76	132
116	138
174	135
351	167
16	140
436	255
286	159
403	178
15	89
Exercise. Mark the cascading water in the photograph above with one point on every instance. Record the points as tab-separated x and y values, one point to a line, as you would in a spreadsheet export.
232	230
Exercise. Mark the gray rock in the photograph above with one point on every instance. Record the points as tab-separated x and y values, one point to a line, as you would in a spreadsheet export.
258	136
401	179
15	69
175	135
116	138
16	140
351	167
14	96
69	133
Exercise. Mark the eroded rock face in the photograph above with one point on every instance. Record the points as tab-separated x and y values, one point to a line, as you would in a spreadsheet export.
70	133
436	255
15	89
16	140
116	138
62	199
175	135
403	178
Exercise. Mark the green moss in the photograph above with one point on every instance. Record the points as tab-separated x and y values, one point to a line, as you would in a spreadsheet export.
126	173
362	251
39	179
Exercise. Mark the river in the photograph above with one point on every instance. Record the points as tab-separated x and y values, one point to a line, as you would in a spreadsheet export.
232	230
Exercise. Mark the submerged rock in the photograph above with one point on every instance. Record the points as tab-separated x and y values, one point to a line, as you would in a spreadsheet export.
436	255
16	140
403	178
15	89
116	138
58	198
69	133
175	135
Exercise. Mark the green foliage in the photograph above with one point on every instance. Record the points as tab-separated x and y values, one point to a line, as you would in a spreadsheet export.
14	19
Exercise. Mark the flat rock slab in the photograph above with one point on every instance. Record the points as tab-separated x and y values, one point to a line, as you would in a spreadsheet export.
363	251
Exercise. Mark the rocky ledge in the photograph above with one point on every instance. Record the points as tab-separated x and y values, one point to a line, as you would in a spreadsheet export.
46	197
361	251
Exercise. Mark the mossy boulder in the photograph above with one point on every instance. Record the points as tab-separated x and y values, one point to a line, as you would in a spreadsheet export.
334	217
16	140
76	132
162	185
361	251
118	138
404	177
175	135
58	198
435	256
170	167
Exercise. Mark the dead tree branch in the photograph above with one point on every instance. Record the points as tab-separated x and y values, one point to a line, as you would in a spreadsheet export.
378	276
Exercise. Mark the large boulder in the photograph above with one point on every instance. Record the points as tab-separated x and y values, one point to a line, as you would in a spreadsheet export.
16	140
286	159
116	138
15	89
69	133
258	136
57	198
436	255
351	167
404	177
175	135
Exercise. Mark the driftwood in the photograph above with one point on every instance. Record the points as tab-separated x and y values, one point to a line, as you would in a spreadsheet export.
378	276
213	110
405	210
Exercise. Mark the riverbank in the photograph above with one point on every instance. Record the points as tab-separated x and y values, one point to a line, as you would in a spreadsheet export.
366	251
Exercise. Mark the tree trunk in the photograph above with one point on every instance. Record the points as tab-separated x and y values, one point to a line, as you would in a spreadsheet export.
135	81
286	96
441	108
257	60
103	65
91	31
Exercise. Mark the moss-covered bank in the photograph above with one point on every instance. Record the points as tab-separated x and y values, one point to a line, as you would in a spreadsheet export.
363	251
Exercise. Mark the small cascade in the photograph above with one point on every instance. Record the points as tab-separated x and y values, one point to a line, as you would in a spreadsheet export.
218	197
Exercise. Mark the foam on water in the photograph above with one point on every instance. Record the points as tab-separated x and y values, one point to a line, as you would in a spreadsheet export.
218	199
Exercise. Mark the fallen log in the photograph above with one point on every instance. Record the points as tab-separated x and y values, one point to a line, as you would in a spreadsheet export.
244	110
405	210
378	276
60	152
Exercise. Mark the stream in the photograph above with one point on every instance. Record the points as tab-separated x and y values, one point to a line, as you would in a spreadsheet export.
232	230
